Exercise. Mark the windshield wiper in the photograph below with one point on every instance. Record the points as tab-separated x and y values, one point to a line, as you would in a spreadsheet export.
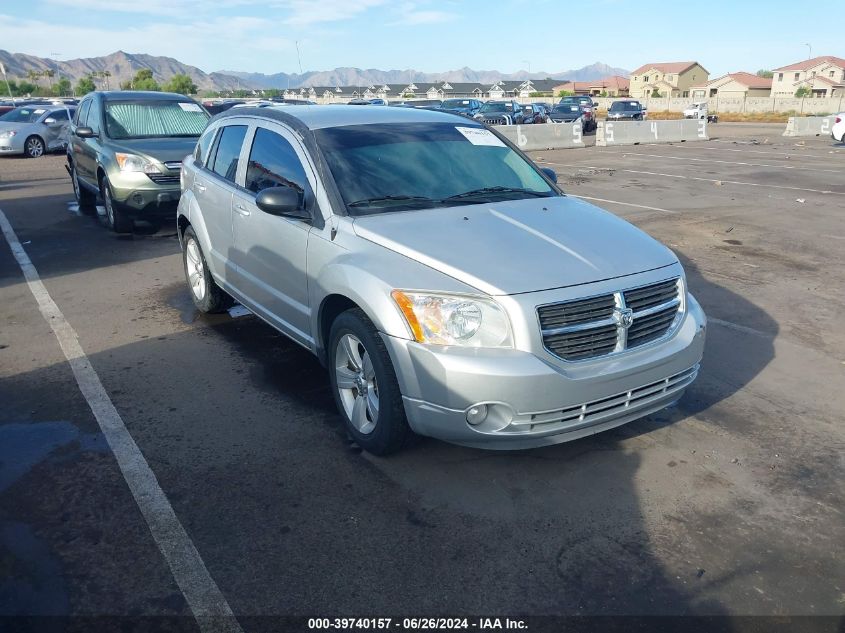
488	190
371	201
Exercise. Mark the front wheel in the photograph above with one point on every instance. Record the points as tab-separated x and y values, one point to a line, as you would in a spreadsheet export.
33	147
207	296
116	217
364	385
86	200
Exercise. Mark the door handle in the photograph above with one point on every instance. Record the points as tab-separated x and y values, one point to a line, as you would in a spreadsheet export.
200	187
242	210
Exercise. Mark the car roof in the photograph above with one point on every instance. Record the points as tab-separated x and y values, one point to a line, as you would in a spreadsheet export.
141	95
317	117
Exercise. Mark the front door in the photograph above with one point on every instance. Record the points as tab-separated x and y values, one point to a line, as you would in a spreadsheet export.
270	251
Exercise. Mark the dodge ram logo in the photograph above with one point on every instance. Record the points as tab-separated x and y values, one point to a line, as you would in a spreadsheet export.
624	317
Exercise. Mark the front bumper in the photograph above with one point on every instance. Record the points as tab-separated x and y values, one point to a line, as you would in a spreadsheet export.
11	144
534	401
140	196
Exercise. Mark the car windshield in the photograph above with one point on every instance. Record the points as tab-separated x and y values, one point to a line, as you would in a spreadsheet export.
454	104
154	119
566	107
624	106
23	115
400	166
492	106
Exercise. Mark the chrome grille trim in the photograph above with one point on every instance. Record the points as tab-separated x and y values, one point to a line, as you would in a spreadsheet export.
173	165
604	409
580	329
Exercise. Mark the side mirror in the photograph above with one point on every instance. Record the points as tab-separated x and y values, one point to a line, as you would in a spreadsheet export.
282	201
550	173
86	132
49	121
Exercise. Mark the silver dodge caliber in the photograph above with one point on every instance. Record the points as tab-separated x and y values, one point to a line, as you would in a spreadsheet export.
448	284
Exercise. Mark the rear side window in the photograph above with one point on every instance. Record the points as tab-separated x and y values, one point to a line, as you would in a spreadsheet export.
228	151
273	162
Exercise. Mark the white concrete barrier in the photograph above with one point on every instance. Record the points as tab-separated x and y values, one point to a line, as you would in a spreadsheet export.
636	132
809	126
543	135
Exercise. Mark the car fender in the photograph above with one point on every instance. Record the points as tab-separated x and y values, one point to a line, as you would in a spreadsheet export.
189	209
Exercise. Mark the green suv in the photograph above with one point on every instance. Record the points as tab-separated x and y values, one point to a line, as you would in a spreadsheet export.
126	148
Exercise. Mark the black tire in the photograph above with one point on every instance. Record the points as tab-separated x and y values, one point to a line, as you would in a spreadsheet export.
213	299
391	432
33	147
86	200
116	217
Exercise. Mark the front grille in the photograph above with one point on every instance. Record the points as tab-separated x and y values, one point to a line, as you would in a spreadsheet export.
610	323
173	165
164	179
605	409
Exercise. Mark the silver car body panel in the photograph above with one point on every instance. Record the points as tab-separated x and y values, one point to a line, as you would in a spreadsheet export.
561	249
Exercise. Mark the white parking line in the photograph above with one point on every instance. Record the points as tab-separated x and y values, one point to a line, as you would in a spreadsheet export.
728	162
713	180
204	598
626	204
802	153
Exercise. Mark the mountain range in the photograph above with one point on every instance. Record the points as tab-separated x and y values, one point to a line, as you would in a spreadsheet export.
123	67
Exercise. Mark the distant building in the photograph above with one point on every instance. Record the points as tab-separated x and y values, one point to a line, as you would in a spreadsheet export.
614	86
822	76
669	79
740	84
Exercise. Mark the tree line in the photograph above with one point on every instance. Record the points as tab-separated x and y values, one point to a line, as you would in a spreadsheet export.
44	83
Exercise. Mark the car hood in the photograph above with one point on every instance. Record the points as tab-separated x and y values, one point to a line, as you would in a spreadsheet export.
518	246
160	149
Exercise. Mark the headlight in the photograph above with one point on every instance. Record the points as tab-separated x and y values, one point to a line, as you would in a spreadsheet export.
454	319
7	134
131	162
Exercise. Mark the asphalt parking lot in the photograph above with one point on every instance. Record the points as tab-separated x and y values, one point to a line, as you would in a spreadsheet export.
730	503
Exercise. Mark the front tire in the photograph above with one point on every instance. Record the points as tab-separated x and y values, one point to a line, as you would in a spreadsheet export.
207	296
116	217
364	385
86	200
33	147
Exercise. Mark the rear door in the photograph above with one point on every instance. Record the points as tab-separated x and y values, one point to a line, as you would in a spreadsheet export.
270	251
83	157
213	186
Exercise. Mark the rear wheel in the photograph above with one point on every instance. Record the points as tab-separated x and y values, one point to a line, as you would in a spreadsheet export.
86	200
33	147
116	217
364	385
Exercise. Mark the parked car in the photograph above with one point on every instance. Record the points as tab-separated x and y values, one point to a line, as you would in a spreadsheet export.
127	148
378	102
626	110
288	101
534	113
585	108
500	113
34	130
696	110
417	103
7	106
466	107
566	112
216	107
838	129
398	274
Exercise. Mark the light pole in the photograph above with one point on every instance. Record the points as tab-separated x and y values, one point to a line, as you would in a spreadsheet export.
810	46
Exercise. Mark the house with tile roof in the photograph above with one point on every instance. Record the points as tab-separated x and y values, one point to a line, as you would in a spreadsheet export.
739	84
821	76
615	86
669	79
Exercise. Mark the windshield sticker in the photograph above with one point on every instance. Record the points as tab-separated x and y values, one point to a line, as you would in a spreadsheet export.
190	107
480	136
40	111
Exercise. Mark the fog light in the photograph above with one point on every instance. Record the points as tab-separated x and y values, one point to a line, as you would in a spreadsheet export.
138	199
477	414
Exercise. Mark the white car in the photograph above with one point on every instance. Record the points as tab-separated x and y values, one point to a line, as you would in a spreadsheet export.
697	110
838	129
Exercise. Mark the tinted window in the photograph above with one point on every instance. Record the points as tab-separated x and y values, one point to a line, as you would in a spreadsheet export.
393	166
273	162
82	113
228	151
203	145
59	115
94	116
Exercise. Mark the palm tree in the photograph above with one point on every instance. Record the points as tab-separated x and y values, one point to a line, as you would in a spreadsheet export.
49	74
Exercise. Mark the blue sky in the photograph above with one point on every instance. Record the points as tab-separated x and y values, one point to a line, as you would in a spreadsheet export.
428	35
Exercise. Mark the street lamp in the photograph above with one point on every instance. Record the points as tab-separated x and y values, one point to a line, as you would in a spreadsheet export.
810	46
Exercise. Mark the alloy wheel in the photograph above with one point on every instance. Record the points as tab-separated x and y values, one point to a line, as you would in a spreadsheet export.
357	383
195	269
34	147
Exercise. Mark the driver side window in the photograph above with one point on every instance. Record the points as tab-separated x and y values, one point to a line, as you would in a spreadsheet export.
273	162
